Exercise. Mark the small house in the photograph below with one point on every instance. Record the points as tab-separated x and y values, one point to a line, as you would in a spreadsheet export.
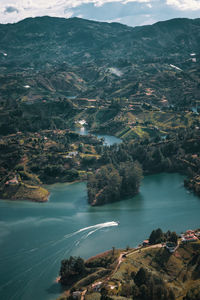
171	247
189	238
13	181
197	234
97	286
76	295
145	242
73	153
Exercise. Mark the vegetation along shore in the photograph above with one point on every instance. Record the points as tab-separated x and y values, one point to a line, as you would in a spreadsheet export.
166	266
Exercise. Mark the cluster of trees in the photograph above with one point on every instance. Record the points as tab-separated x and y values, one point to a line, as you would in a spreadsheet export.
157	156
102	261
158	236
110	183
150	287
71	270
46	152
10	155
52	171
193	293
144	285
36	116
119	177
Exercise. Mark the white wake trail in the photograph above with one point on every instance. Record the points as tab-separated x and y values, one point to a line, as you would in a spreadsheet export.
97	227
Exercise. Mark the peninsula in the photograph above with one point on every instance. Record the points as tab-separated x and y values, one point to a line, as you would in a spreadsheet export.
164	267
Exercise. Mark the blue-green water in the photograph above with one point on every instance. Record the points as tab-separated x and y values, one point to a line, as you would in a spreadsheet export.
108	139
35	237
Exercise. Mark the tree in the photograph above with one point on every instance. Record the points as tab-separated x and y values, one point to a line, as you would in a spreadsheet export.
141	277
71	268
173	238
104	186
171	295
161	292
113	250
104	294
126	290
156	236
193	293
144	292
131	174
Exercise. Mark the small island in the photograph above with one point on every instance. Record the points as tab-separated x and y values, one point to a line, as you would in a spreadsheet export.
110	183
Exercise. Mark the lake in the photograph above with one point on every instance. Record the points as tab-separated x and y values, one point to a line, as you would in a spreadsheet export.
35	237
108	139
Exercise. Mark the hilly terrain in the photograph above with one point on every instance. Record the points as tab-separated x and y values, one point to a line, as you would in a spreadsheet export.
35	42
148	272
91	59
140	84
45	59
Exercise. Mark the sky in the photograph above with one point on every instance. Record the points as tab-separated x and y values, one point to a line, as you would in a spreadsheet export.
129	12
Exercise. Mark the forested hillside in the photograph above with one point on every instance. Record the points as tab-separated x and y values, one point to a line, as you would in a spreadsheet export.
140	84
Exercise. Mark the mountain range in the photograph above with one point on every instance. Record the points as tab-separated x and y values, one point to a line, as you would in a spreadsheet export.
46	59
37	42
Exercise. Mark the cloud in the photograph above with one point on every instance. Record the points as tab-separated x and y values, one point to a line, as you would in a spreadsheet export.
102	2
10	9
130	12
98	3
184	4
16	10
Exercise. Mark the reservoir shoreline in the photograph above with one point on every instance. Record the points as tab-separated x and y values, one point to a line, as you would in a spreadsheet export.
35	237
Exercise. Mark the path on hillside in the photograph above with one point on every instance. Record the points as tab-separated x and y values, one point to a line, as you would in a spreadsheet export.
120	260
139	249
83	294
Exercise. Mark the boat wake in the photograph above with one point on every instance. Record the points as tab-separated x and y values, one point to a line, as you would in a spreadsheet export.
45	262
93	228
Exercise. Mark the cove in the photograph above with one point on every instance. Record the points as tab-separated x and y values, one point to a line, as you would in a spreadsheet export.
35	237
108	139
